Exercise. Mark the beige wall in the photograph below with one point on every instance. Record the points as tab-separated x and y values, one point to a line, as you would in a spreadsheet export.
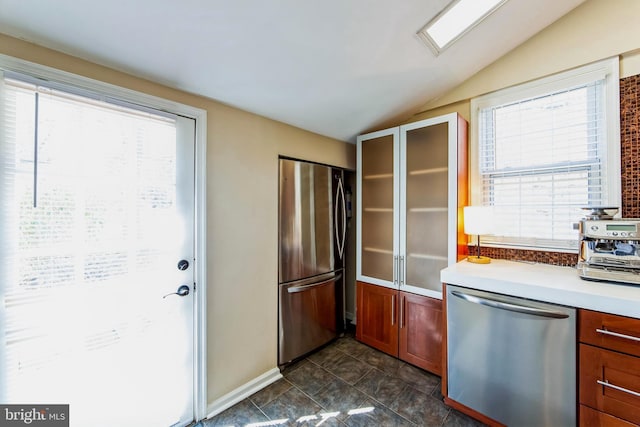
595	30
242	186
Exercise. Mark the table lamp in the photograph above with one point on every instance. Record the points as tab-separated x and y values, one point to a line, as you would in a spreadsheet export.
478	220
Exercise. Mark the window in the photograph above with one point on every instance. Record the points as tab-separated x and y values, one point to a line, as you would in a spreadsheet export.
544	150
455	21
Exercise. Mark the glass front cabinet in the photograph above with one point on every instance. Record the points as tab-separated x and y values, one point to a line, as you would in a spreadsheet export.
412	183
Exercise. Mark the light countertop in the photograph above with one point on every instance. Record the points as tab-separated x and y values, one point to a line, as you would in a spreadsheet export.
543	282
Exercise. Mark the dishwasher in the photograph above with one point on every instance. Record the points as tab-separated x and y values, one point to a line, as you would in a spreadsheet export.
511	359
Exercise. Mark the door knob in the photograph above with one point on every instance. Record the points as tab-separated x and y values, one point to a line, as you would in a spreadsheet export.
182	291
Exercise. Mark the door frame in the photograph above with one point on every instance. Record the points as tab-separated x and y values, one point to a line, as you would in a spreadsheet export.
115	93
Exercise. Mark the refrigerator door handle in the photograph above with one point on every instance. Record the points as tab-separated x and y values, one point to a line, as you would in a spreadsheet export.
534	311
303	288
340	198
344	218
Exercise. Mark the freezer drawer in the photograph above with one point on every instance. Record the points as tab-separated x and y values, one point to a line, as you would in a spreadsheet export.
511	359
308	316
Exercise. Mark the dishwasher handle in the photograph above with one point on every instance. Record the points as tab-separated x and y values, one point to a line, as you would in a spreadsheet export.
534	311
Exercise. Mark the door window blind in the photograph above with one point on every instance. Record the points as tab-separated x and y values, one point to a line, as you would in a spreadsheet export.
542	157
85	186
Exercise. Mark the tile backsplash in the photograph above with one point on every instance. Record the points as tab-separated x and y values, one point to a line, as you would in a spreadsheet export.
630	145
630	179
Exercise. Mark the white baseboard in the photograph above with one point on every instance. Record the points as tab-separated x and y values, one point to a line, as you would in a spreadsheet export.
242	392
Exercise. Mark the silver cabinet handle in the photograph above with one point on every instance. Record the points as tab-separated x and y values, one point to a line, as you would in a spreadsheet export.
395	270
617	387
510	307
401	270
615	334
393	310
402	312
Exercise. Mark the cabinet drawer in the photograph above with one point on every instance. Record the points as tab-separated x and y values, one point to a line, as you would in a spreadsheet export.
610	382
591	418
610	331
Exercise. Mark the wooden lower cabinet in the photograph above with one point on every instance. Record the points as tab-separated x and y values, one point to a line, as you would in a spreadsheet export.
591	418
610	331
421	331
609	369
376	317
621	373
404	325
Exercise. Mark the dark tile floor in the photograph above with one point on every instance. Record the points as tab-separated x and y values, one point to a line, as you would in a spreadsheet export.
346	384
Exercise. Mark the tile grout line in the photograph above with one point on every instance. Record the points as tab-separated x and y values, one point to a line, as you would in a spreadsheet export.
275	397
260	409
410	383
371	368
406	385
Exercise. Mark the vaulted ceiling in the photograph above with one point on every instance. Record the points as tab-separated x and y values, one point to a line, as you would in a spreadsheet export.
334	67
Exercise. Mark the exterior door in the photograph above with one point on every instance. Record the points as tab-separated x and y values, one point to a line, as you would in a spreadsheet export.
96	237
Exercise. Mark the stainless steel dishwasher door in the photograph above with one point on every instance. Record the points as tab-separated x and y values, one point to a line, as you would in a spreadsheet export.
512	359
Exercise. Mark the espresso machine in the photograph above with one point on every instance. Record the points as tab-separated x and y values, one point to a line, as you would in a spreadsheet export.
609	247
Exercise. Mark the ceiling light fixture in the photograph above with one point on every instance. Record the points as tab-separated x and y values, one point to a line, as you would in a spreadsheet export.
456	20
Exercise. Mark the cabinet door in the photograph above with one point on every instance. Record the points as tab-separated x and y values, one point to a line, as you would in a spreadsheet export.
592	418
428	201
610	382
376	318
378	207
420	325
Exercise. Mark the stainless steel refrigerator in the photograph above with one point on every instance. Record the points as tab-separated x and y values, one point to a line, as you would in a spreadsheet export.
312	236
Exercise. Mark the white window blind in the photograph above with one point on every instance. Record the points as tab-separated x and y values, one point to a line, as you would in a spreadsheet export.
544	151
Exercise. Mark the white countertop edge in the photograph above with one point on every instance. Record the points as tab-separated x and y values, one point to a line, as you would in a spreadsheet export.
548	283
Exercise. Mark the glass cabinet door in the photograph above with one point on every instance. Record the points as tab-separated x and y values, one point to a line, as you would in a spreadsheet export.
378	213
425	192
412	185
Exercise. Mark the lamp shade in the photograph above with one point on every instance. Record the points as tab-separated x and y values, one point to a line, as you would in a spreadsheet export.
478	220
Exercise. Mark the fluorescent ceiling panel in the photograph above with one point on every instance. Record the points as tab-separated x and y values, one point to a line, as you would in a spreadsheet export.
452	23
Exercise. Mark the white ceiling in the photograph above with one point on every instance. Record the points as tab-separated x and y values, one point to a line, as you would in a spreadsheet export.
334	67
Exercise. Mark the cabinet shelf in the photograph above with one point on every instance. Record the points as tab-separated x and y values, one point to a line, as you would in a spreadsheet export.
378	176
429	171
427	256
379	210
378	250
427	210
